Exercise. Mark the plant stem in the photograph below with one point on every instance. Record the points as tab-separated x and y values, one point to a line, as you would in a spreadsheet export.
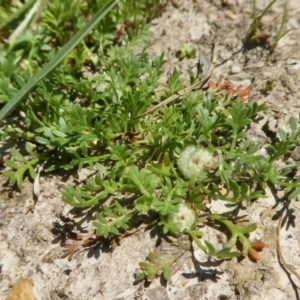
196	240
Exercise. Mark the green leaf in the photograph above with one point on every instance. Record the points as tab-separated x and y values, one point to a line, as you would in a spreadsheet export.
234	187
227	254
59	133
19	177
32	172
101	219
294	194
10	174
167	273
248	229
153	257
253	149
282	134
18	156
101	230
48	132
30	149
113	229
11	164
139	180
74	198
293	124
145	266
41	140
140	277
101	168
211	249
245	190
151	274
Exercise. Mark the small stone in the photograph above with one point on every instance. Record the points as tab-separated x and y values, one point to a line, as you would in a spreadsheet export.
2	206
199	254
296	153
235	69
158	292
2	214
230	15
293	66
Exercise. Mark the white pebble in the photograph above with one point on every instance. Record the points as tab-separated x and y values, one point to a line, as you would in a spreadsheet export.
3	206
235	69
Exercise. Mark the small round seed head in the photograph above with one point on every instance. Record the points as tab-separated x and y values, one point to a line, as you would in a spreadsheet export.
185	218
192	161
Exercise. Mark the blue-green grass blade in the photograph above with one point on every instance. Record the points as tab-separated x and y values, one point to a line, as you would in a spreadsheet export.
61	54
18	14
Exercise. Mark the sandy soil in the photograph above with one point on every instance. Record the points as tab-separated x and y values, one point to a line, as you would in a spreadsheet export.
29	249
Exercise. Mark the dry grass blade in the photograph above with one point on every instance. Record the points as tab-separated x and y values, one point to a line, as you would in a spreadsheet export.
194	86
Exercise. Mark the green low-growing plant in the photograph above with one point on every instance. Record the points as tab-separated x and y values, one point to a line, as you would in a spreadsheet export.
251	35
157	267
255	37
166	166
281	32
186	51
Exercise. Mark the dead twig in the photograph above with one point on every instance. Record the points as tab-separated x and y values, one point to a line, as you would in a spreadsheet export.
282	260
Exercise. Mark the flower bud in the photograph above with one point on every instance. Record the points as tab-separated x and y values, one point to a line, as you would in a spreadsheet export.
258	246
253	255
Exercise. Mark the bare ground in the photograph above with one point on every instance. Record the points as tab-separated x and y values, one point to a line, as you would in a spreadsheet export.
29	249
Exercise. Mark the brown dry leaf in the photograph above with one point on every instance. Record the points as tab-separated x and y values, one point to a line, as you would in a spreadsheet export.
88	242
114	242
242	93
70	250
83	241
128	137
22	290
260	39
